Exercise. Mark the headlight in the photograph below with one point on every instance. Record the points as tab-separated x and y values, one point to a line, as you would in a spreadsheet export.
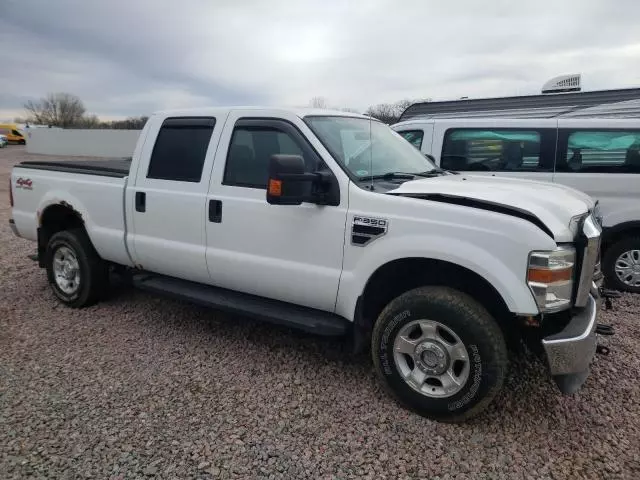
550	278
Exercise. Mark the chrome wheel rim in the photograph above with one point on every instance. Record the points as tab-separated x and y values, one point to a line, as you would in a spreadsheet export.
66	270
431	358
627	268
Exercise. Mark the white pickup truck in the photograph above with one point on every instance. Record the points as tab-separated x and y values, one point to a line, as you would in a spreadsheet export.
332	223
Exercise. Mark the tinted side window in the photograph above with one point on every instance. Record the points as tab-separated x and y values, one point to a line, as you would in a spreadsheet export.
599	151
499	150
180	149
250	149
15	132
414	137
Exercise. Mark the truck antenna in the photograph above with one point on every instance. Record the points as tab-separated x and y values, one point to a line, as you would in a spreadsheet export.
370	155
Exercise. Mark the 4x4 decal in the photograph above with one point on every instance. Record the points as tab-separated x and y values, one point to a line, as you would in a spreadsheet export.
24	183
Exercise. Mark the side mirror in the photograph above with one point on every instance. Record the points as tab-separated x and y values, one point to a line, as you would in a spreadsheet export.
288	182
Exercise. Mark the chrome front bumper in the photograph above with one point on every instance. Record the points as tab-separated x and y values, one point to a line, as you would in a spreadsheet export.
569	352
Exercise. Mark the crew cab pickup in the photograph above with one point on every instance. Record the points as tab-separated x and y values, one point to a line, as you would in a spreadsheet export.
332	223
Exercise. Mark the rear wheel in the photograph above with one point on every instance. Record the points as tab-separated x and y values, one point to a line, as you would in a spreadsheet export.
622	265
440	353
78	276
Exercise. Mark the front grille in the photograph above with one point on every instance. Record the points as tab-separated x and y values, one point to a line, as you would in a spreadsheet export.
590	267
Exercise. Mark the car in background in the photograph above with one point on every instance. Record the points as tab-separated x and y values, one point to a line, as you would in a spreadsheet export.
3	141
13	134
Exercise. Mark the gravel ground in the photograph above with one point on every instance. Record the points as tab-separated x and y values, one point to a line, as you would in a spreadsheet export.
140	386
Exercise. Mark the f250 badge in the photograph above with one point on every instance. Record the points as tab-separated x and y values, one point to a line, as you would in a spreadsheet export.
364	230
24	183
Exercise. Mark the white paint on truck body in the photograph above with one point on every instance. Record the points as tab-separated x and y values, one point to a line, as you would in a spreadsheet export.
299	254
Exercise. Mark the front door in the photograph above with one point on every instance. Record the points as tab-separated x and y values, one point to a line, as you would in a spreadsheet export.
288	253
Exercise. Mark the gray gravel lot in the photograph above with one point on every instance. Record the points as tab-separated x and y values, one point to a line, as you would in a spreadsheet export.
140	386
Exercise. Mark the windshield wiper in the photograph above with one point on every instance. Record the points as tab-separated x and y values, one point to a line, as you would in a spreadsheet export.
436	172
391	176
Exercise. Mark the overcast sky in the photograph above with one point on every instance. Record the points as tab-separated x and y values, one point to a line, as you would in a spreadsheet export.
131	57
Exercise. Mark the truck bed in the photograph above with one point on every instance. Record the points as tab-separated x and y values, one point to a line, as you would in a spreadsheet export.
110	167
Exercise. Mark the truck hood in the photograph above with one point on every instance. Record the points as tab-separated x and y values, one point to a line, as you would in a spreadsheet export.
551	204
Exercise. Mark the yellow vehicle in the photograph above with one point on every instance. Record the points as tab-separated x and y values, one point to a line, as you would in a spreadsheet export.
10	130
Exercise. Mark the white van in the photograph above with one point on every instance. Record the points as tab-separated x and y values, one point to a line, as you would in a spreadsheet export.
600	157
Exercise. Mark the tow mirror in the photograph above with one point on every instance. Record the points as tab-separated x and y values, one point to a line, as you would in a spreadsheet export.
288	182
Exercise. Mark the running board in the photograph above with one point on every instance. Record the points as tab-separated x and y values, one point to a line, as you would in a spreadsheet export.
273	311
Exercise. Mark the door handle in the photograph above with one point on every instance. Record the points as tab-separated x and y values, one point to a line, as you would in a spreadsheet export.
215	211
141	202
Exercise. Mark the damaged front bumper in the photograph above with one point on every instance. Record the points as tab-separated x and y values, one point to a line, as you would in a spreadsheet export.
570	351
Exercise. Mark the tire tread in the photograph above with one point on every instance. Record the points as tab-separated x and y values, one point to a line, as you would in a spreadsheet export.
97	281
471	309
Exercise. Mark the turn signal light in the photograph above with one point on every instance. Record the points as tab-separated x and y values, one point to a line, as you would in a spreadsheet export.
275	187
549	276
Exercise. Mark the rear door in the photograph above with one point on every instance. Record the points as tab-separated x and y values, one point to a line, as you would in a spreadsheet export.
602	160
515	148
169	196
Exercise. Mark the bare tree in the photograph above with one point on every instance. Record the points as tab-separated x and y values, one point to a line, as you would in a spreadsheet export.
131	123
88	121
318	102
390	112
56	109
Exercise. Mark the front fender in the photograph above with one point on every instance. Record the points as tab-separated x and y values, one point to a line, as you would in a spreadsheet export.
506	273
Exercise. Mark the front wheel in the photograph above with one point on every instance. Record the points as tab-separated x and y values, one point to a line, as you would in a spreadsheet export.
440	353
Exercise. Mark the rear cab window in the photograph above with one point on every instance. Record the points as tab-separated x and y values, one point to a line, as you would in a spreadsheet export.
598	151
499	149
180	149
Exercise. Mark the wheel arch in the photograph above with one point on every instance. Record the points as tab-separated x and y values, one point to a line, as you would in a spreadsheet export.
401	275
611	235
55	218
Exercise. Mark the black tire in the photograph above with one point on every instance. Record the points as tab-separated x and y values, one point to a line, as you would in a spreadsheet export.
478	331
608	265
94	274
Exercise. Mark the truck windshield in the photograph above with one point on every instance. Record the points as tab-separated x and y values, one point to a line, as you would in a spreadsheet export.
368	148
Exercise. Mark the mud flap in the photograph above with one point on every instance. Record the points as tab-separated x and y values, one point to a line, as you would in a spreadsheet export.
569	384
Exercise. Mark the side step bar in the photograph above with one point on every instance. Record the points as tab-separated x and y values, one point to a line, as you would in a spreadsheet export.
273	311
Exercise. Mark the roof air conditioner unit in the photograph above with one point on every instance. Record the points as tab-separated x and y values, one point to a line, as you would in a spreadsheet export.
563	83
